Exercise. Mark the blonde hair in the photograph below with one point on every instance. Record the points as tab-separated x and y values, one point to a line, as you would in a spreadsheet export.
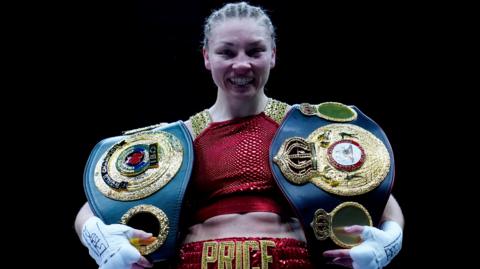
237	10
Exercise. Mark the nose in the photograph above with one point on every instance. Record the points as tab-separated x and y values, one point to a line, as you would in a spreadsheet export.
242	65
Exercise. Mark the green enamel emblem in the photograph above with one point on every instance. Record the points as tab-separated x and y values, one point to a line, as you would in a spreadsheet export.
334	111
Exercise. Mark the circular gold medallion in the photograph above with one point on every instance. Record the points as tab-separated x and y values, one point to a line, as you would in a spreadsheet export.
348	214
163	225
139	165
349	159
333	224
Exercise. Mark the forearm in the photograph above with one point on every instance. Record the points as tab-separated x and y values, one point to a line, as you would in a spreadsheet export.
393	212
83	215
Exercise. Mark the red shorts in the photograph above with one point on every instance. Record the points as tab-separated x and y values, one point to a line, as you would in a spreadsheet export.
245	252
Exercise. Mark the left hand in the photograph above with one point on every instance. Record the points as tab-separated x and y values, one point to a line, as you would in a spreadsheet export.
376	251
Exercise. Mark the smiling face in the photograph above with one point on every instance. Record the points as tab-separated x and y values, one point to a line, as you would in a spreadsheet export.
239	55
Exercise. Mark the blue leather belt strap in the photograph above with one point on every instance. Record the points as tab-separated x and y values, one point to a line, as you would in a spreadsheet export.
307	198
169	198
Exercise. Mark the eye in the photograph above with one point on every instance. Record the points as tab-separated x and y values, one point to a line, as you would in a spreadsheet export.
227	53
255	52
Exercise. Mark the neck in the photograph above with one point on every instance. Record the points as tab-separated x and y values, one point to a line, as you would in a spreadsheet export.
227	107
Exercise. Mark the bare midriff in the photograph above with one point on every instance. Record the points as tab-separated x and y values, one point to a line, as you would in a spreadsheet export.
253	224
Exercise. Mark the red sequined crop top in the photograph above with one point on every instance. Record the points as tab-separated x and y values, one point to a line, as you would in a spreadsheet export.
231	172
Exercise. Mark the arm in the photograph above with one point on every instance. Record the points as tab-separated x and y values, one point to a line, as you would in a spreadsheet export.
379	246
393	212
82	216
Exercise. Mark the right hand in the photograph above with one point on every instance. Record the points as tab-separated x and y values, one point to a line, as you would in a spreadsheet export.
109	245
378	248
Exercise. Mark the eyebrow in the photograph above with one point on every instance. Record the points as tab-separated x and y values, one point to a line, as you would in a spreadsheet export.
230	44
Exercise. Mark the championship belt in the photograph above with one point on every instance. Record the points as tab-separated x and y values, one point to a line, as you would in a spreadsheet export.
335	166
140	180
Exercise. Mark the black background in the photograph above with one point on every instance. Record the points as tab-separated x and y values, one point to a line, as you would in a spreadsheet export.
110	67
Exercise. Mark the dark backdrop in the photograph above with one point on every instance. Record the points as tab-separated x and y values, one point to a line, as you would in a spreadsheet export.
124	66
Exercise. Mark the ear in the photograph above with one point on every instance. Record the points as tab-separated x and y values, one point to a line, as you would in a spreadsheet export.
274	57
206	59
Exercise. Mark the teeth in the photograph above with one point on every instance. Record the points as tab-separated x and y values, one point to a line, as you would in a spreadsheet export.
241	81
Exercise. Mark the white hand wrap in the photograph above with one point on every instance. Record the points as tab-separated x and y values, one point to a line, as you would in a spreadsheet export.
378	247
109	244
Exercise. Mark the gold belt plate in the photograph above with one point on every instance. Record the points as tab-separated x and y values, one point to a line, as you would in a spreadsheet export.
139	165
343	159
